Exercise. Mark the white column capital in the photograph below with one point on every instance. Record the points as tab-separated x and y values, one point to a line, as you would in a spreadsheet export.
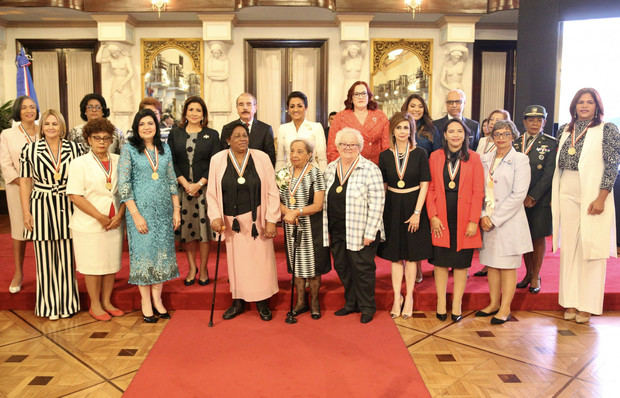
118	28
457	29
217	26
354	27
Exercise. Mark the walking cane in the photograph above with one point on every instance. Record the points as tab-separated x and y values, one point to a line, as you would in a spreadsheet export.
217	266
290	317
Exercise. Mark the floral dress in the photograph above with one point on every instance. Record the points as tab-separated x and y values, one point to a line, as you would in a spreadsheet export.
152	256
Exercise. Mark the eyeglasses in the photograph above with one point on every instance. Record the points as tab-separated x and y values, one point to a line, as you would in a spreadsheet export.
94	107
360	94
97	138
506	134
349	146
455	102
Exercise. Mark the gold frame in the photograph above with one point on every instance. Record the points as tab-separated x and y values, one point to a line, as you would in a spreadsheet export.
422	48
149	48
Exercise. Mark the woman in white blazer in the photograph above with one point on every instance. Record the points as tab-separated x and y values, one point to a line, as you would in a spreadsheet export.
299	127
12	141
582	207
96	222
506	234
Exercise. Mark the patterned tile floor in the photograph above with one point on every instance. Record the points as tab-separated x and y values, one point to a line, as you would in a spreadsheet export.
537	355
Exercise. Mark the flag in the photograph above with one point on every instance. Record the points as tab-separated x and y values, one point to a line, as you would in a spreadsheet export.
24	80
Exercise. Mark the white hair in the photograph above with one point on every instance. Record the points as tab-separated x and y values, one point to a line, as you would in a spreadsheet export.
460	92
348	130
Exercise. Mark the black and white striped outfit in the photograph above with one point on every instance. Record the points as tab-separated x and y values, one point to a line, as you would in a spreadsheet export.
57	289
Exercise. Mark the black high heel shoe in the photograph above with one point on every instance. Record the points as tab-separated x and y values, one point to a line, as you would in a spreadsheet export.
165	315
150	319
441	317
525	282
456	318
535	290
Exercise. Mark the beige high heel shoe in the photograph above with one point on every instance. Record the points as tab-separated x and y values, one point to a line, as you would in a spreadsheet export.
396	315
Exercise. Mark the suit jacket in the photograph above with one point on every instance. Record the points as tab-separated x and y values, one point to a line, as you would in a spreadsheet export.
261	138
511	182
207	145
474	129
470	196
542	163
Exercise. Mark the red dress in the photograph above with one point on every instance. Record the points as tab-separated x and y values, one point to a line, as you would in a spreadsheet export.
376	133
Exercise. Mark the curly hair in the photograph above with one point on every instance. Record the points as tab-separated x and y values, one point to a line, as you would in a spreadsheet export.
96	126
93	96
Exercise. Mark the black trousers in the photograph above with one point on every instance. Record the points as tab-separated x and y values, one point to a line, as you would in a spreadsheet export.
356	270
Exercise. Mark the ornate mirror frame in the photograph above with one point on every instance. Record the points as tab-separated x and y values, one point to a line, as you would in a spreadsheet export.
421	48
190	48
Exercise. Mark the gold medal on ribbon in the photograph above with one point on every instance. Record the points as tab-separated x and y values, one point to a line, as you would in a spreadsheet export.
292	188
240	169
400	169
106	171
452	172
154	164
55	159
346	175
572	151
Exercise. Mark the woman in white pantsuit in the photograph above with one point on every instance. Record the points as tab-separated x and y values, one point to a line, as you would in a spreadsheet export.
506	234
12	142
96	221
582	207
46	210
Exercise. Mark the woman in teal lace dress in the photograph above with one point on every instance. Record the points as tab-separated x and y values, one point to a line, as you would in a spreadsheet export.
148	187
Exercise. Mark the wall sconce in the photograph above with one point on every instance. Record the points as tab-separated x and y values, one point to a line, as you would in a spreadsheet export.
159	6
414	6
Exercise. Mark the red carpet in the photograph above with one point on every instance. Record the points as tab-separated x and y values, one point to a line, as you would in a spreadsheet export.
177	296
246	357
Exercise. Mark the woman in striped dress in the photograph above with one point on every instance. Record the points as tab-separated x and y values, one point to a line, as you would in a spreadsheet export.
301	203
46	210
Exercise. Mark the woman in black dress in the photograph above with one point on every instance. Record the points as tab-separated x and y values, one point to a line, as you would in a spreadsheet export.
406	176
192	145
454	204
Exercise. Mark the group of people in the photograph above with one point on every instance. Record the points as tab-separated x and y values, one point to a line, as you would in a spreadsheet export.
406	189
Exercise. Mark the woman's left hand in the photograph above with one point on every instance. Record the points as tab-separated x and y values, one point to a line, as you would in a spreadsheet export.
176	218
486	224
192	189
368	242
414	223
115	222
471	229
290	217
270	230
596	207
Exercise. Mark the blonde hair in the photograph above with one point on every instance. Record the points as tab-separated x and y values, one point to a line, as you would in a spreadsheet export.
61	122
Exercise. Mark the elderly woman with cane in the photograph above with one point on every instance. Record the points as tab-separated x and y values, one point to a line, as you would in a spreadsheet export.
243	204
302	190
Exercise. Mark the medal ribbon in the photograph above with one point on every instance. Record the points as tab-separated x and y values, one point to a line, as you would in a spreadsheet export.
55	161
107	172
490	148
348	174
452	172
155	164
240	170
572	135
527	149
401	170
298	183
23	130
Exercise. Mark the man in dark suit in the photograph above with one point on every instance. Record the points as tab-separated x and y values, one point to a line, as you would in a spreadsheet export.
261	134
455	103
541	149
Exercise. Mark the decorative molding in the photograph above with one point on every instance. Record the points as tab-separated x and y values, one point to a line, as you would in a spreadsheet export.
51	24
115	18
423	48
286	24
460	19
151	47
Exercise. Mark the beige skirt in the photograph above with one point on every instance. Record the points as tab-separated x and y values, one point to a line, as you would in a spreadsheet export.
16	218
98	253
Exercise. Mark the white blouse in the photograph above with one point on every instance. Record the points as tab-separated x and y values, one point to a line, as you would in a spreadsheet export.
311	131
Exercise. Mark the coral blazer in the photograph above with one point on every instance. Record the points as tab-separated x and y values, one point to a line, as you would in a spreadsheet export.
376	133
470	199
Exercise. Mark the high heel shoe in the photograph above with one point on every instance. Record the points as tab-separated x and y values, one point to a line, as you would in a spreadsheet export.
150	319
482	313
535	290
498	321
441	317
525	282
407	315
165	315
400	306
456	318
15	289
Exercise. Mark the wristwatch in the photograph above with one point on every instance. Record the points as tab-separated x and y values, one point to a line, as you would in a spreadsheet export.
301	211
418	212
200	183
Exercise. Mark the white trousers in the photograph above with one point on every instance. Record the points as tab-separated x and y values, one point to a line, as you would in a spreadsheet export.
582	282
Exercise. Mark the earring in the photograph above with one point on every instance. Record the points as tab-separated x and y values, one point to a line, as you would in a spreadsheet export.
596	114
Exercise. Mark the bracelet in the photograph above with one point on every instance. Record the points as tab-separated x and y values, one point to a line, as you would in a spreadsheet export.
418	212
201	184
301	211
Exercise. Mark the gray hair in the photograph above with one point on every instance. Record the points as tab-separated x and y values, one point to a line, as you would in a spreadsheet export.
503	124
348	130
459	92
309	145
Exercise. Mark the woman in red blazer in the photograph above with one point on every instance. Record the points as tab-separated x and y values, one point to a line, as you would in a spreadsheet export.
361	113
454	204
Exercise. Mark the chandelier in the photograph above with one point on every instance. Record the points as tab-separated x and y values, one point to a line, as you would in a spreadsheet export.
159	6
414	6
